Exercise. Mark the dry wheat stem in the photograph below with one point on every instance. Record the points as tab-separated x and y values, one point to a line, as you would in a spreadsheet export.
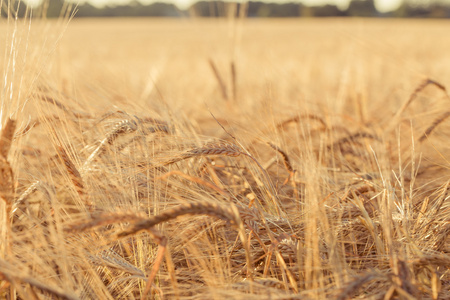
355	285
227	150
233	80
6	269
162	245
220	81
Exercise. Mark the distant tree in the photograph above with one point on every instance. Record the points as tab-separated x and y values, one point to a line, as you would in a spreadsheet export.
416	9
160	9
134	9
362	8
253	8
17	9
326	11
208	9
53	8
439	11
275	10
88	10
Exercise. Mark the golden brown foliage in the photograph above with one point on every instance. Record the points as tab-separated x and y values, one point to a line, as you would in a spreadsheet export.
120	185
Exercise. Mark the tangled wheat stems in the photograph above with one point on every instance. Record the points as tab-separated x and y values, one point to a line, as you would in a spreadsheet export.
230	214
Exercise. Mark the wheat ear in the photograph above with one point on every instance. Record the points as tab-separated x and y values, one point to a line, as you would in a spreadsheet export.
61	106
113	260
434	125
6	173
7	137
353	137
297	119
74	175
206	150
122	127
286	160
413	96
30	190
202	208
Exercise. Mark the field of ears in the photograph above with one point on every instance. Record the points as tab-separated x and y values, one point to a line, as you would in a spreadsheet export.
224	159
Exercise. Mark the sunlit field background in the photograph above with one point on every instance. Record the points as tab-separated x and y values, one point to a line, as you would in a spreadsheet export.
225	158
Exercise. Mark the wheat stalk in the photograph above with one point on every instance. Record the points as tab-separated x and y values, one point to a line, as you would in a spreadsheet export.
233	80
220	81
9	272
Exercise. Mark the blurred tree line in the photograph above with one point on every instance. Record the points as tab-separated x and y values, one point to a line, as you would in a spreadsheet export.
220	8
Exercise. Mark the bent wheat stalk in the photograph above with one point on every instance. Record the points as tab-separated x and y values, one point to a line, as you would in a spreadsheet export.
9	272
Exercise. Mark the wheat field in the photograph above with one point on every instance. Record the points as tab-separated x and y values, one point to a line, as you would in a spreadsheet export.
224	158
